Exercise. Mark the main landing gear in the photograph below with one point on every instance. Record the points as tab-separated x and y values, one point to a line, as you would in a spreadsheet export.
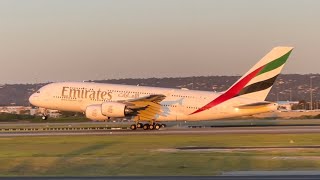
147	126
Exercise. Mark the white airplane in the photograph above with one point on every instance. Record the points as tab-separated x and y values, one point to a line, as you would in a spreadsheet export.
154	105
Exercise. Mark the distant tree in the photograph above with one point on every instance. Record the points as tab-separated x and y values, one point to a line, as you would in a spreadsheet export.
302	104
25	112
71	114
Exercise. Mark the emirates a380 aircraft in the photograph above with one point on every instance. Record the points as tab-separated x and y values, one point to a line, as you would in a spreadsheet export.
154	105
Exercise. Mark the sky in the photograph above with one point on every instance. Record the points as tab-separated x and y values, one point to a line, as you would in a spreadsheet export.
76	40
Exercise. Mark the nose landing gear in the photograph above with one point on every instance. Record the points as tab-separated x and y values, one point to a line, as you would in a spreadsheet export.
44	113
44	117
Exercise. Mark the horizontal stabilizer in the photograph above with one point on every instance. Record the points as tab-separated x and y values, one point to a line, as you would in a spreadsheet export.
255	105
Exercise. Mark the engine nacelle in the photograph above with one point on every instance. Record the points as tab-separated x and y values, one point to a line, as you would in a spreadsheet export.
93	112
114	109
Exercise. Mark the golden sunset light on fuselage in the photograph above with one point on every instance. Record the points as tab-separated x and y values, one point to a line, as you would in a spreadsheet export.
104	101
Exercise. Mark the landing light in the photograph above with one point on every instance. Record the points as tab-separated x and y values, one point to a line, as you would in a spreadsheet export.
236	109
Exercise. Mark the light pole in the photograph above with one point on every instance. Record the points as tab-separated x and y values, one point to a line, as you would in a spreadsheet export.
311	103
290	96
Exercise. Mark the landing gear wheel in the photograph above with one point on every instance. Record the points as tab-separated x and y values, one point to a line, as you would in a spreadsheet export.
146	127
139	125
151	127
158	126
44	117
133	127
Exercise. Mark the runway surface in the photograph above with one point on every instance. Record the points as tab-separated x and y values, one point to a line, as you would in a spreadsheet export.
262	177
173	131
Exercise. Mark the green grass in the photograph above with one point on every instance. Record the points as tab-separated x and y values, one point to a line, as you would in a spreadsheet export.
140	155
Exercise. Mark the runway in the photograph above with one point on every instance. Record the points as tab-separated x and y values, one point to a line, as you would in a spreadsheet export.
250	177
173	131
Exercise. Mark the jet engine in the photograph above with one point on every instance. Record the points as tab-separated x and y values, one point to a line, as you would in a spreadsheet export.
114	109
93	112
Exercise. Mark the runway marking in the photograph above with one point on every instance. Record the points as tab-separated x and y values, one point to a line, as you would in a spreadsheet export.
239	148
173	131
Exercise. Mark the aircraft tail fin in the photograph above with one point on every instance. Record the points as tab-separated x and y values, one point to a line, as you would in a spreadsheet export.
258	81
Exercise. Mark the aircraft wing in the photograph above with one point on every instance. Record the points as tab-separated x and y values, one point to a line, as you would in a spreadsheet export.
145	108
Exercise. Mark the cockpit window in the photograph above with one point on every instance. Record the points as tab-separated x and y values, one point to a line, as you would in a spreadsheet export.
38	92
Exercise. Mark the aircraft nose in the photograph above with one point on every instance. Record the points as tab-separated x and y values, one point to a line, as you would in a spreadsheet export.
32	100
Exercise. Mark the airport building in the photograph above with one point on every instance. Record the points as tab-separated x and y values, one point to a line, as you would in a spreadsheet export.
286	105
15	109
28	111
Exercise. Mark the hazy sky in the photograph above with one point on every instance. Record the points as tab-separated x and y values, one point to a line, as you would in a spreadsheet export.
74	40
